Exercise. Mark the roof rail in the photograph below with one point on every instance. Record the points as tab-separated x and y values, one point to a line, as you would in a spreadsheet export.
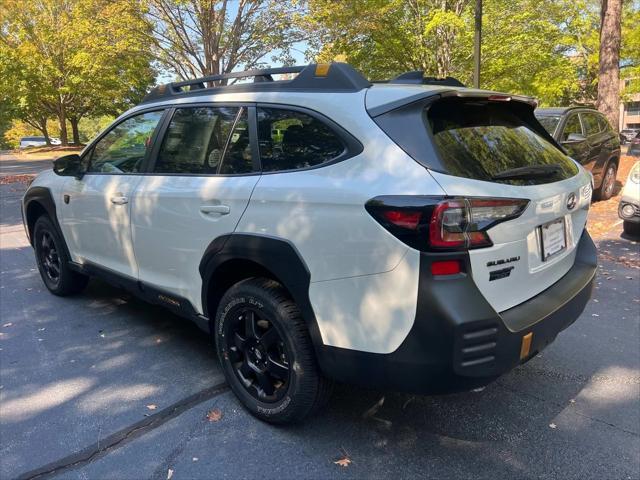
328	77
417	77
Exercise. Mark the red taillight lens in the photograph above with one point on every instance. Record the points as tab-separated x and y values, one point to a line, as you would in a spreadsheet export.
403	219
446	267
428	223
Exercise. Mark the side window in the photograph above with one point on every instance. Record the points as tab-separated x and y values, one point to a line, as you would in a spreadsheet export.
604	124
237	154
572	126
590	123
195	140
123	149
290	140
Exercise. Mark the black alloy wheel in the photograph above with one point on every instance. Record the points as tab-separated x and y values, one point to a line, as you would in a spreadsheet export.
266	352
49	257
53	261
257	353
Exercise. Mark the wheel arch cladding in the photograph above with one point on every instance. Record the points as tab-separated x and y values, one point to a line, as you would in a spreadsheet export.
235	257
38	201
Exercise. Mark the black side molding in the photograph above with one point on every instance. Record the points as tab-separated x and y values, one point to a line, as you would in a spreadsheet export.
149	293
275	255
35	201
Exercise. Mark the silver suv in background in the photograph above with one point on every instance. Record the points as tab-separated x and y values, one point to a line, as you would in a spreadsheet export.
26	142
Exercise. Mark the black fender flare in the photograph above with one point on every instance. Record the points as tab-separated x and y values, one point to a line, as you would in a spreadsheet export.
43	197
277	255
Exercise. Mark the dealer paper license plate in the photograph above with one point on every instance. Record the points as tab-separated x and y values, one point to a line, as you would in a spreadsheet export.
554	239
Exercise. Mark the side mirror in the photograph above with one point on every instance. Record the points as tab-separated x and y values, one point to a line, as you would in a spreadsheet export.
574	137
68	166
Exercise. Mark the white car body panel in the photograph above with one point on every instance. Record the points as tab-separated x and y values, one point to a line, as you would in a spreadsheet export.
171	232
520	237
96	229
631	190
372	313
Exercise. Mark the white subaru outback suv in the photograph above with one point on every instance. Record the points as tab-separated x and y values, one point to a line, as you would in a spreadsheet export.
413	235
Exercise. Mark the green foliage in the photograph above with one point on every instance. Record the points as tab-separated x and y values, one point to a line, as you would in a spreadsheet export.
72	58
544	48
90	127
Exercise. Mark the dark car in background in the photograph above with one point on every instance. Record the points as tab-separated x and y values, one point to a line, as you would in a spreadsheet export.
634	146
628	134
589	139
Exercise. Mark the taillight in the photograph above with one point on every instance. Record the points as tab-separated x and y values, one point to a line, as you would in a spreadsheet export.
428	223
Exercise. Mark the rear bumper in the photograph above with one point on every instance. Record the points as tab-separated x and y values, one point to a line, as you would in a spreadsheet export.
458	341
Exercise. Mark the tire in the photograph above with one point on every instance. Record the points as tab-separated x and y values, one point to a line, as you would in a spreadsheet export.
631	228
266	353
53	262
605	191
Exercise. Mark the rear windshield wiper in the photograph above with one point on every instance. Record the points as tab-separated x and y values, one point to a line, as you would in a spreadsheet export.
533	171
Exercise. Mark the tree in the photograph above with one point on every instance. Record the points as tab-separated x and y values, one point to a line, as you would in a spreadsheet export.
71	58
609	73
386	37
527	44
194	38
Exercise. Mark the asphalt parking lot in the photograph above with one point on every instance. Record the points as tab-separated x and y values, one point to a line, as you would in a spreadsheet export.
102	385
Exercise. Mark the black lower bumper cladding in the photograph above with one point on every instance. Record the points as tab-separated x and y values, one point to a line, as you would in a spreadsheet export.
458	341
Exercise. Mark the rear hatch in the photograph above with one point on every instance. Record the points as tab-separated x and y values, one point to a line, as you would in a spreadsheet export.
484	149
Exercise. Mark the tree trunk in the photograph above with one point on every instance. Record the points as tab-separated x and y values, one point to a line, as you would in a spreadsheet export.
74	130
45	132
609	73
62	119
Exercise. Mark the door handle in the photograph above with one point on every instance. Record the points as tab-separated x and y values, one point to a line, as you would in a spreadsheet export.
221	209
119	200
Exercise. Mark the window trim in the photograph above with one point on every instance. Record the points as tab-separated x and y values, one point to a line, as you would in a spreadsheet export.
165	126
352	146
566	121
584	126
88	151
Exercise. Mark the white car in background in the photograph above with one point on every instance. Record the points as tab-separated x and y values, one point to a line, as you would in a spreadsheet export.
26	142
629	208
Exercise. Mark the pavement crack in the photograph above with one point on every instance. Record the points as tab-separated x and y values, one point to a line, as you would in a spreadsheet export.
559	405
124	436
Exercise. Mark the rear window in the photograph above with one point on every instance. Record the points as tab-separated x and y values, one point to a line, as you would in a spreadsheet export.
480	139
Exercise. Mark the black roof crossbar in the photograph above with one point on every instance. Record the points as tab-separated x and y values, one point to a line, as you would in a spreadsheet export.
417	78
331	77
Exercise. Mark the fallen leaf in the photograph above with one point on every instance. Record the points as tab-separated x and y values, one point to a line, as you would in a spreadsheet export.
7	324
169	474
214	415
152	406
552	425
595	315
194	459
343	462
